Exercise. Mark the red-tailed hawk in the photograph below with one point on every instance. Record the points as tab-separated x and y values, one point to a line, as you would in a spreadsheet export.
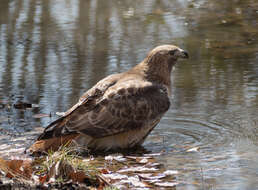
120	110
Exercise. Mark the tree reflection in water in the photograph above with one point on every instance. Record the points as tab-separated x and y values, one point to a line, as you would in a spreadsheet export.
52	51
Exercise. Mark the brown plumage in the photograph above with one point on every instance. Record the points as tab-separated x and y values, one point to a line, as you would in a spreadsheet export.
120	110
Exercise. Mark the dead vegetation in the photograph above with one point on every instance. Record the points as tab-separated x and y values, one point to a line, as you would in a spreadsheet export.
66	169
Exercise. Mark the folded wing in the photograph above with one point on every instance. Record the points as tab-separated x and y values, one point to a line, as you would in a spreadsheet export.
114	109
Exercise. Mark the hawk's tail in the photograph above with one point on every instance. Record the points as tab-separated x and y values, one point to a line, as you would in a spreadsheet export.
53	137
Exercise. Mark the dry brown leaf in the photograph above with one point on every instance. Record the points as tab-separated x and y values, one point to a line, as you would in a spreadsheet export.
43	179
19	168
104	171
102	179
3	166
78	176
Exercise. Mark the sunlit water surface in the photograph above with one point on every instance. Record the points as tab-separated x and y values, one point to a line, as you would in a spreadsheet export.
53	51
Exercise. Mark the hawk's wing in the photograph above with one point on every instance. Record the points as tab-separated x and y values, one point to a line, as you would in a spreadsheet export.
121	107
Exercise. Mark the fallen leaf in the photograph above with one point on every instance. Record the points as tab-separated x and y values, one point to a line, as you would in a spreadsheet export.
137	169
170	172
115	176
43	179
118	158
141	160
166	184
78	176
155	164
144	161
148	176
104	171
134	180
16	168
22	105
3	166
195	149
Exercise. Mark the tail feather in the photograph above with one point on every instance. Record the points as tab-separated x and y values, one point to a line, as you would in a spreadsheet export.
41	146
54	136
56	129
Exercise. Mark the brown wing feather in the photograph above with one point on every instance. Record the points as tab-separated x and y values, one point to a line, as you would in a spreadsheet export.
122	107
120	110
57	128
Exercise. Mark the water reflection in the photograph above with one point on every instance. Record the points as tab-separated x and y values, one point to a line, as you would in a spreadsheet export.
52	51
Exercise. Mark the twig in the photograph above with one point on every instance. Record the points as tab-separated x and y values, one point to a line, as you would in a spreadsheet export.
104	180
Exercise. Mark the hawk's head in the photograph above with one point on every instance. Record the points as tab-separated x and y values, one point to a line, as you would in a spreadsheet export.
166	54
160	61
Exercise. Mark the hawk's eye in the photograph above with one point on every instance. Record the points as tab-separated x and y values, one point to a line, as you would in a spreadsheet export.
172	52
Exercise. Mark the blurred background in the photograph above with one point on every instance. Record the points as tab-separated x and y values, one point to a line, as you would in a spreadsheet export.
51	51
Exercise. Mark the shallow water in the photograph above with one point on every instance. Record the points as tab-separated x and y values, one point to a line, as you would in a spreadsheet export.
52	51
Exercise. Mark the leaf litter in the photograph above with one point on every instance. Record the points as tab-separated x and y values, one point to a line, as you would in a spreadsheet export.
65	168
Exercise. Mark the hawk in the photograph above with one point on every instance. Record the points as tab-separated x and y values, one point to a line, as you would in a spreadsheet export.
120	110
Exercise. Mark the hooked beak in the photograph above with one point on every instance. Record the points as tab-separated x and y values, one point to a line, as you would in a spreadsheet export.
183	54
